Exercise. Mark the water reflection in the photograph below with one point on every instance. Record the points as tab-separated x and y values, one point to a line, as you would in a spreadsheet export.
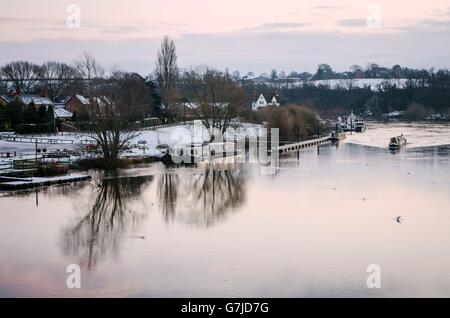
203	198
112	214
168	195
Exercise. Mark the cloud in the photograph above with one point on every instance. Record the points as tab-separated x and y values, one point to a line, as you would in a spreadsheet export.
326	7
256	51
122	29
438	24
15	20
352	22
136	28
281	25
274	27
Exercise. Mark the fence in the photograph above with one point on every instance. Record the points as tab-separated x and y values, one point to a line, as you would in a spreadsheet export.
41	140
31	165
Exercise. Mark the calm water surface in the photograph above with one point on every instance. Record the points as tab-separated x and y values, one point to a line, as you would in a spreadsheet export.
310	230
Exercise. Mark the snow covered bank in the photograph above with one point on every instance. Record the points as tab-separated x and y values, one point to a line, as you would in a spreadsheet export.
143	145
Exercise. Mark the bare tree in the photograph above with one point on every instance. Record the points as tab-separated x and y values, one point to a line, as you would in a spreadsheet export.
88	67
135	92
166	71
112	128
213	97
58	77
91	71
114	111
23	74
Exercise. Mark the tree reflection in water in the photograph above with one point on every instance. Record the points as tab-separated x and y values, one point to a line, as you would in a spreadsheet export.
168	192
113	213
203	198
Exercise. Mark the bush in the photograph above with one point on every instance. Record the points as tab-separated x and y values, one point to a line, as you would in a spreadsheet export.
34	128
48	170
294	122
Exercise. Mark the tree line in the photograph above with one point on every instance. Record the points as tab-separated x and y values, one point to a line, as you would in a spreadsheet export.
326	72
429	94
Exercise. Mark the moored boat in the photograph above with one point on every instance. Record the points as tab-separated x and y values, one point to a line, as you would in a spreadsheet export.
351	123
360	126
337	136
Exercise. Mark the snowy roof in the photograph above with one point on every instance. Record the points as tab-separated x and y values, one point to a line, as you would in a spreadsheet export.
36	99
102	101
82	99
263	98
6	98
62	113
196	105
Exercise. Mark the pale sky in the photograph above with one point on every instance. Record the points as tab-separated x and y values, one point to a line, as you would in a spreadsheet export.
244	35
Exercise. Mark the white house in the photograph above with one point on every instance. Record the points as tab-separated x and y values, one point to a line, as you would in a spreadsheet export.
262	102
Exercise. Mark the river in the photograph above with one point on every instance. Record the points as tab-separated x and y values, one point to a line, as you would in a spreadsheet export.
225	230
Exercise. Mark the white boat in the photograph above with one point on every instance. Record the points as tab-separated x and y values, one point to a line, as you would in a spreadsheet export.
360	126
351	123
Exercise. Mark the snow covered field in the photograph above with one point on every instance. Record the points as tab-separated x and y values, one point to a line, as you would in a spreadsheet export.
373	83
144	144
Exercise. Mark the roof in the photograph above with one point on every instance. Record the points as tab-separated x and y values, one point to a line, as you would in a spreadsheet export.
62	113
7	98
84	100
273	98
36	99
102	101
196	104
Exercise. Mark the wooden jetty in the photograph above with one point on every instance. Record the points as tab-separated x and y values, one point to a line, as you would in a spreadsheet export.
303	144
13	183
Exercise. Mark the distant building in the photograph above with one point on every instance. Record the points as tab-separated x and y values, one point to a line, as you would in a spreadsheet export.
193	109
262	102
78	104
394	114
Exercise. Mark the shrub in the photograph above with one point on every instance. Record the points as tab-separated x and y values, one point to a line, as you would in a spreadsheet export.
53	169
